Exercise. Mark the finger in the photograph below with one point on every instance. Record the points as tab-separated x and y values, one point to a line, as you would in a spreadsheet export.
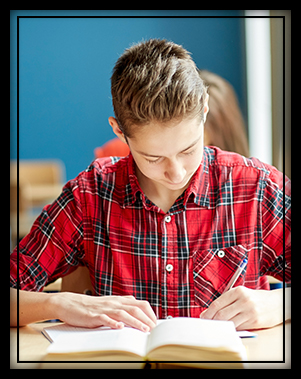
148	311
139	314
125	316
211	311
148	315
229	312
135	313
217	305
241	321
97	320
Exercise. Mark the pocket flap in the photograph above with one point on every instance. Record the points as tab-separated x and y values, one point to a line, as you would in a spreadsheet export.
213	269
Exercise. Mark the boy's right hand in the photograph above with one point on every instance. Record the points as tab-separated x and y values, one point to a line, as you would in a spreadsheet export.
112	311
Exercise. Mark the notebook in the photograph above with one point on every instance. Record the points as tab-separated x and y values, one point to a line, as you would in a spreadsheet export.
188	341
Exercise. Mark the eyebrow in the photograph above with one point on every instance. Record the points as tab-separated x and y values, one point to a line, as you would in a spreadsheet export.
157	156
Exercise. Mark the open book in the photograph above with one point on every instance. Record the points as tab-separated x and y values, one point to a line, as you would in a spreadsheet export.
183	339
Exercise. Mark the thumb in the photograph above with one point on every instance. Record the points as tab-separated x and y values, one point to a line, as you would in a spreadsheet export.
203	314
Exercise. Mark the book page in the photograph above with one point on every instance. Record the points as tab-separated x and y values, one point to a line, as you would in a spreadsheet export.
53	332
178	331
126	339
195	332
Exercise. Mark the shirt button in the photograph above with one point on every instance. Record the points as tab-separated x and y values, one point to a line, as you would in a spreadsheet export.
167	219
169	268
221	253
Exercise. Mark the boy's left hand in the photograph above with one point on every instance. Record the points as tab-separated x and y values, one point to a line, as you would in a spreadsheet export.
247	308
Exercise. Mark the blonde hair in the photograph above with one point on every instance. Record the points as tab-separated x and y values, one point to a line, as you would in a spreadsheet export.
156	81
224	127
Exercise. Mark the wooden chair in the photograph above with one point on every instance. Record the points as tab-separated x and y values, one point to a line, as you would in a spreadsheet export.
40	183
41	180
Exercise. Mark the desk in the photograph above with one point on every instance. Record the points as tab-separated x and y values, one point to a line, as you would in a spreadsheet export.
268	346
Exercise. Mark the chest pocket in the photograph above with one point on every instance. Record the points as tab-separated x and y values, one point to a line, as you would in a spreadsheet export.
213	269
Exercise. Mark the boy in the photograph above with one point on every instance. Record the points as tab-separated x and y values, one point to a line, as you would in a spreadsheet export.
163	230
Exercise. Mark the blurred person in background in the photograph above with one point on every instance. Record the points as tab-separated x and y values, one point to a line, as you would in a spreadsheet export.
224	127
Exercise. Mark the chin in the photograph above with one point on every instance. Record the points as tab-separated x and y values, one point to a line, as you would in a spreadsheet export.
177	186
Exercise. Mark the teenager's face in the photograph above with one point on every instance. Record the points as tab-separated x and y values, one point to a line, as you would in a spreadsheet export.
168	155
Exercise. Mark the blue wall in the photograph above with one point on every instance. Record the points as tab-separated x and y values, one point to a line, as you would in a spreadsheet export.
65	66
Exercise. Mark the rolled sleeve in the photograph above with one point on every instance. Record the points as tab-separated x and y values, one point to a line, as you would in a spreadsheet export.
54	245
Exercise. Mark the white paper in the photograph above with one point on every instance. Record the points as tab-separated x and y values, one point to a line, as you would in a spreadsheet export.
195	332
126	339
180	330
53	332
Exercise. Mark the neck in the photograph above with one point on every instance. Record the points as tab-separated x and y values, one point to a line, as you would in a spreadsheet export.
163	197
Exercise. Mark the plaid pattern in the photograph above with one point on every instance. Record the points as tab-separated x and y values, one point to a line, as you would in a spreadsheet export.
232	209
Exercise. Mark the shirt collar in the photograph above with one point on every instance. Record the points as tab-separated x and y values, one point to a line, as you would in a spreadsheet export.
133	191
199	186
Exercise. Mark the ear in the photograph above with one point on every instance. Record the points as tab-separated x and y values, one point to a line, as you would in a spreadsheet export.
206	108
114	124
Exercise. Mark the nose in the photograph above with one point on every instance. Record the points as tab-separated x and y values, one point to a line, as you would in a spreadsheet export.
175	172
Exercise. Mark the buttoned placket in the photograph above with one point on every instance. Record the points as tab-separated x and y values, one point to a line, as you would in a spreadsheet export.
168	271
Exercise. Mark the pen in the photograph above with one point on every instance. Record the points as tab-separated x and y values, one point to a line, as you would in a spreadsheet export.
236	275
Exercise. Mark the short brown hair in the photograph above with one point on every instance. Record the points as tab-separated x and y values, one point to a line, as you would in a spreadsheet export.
156	80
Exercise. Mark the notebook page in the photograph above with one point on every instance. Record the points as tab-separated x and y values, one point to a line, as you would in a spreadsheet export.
53	332
195	332
126	339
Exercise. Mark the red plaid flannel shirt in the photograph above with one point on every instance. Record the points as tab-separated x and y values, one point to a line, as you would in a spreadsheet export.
234	208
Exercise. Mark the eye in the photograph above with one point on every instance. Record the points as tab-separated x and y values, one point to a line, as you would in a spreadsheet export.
190	152
153	161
